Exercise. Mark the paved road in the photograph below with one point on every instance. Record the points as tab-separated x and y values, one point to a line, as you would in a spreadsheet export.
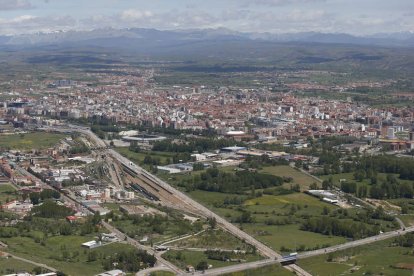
400	222
380	237
199	208
235	268
161	261
32	262
62	196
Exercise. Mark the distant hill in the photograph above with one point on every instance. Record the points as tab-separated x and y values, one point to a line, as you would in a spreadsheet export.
215	50
135	37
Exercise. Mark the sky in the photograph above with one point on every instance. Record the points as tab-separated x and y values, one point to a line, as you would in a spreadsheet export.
357	17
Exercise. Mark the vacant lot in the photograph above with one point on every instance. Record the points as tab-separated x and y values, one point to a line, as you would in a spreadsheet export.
374	259
28	141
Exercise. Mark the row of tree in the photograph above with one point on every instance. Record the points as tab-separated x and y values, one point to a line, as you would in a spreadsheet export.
333	226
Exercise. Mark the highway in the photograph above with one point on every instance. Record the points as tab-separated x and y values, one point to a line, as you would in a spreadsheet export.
273	257
200	209
186	200
161	261
380	237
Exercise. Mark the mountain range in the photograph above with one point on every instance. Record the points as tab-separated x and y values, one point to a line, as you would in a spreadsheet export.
152	38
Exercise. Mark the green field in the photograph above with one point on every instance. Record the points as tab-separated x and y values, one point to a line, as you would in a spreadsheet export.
287	171
212	239
290	237
408	220
271	270
374	259
63	253
138	157
28	141
7	193
182	258
10	265
277	207
158	228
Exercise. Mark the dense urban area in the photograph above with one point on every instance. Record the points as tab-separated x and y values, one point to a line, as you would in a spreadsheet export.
133	170
192	138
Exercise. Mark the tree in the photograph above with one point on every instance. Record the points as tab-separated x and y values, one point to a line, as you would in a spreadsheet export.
37	270
134	147
348	187
314	186
212	222
325	211
359	175
50	209
298	163
202	265
406	190
295	188
96	218
34	198
92	256
327	184
198	167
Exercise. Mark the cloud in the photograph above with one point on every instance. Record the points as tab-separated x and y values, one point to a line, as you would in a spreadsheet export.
133	18
134	15
275	16
7	5
30	24
275	3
